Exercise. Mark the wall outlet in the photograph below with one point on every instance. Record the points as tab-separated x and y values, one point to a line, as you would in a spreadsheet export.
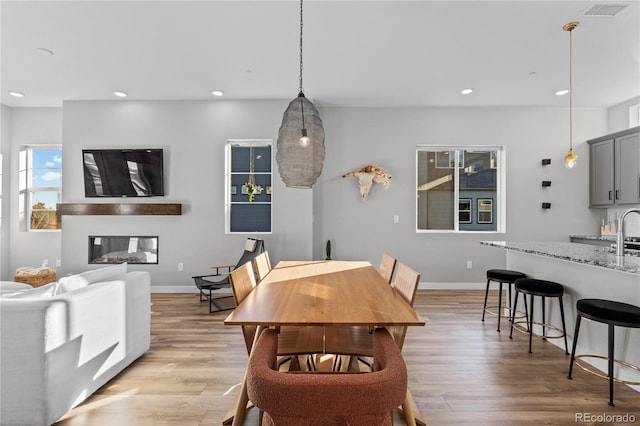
58	263
396	219
45	263
180	266
469	264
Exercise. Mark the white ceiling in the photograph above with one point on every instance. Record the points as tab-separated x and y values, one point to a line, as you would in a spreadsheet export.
356	53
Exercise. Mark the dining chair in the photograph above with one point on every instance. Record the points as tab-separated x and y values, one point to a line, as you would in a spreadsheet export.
387	267
293	340
358	340
326	398
262	264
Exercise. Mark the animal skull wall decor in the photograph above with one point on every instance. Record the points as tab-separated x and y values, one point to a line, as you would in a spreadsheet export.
367	175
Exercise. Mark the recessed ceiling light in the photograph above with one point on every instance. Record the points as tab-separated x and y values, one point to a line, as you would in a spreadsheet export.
466	91
44	52
562	92
120	94
16	94
217	93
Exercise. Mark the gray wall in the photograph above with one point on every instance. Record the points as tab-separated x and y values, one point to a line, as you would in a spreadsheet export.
388	137
5	147
193	134
618	115
37	126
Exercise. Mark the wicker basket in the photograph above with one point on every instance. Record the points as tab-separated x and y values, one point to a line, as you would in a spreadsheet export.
35	277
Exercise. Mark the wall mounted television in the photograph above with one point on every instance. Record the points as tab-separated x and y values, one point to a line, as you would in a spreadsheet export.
123	172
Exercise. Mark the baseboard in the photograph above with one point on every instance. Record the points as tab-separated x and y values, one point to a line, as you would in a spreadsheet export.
421	286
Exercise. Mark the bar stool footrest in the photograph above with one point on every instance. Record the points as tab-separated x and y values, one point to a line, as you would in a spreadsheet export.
517	326
602	375
491	310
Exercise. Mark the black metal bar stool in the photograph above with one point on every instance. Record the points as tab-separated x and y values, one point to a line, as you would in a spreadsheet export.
613	314
534	287
501	276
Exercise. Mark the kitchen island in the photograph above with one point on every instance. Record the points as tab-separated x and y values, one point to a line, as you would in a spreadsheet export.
585	271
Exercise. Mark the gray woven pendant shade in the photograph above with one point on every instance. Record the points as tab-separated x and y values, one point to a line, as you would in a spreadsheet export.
300	166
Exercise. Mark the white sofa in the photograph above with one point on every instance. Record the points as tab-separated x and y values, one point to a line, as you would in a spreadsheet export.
60	342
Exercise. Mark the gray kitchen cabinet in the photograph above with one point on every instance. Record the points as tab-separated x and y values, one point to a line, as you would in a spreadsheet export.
614	169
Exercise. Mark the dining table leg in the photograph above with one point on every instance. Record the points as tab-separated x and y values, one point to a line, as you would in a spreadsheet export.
241	409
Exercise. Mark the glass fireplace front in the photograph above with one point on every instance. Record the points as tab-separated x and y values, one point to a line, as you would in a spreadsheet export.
120	249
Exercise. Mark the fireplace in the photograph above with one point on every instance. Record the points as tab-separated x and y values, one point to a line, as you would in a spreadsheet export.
119	249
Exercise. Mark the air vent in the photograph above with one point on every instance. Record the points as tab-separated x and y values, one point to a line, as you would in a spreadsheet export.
604	10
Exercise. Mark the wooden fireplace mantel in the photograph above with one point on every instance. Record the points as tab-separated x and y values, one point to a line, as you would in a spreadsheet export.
75	209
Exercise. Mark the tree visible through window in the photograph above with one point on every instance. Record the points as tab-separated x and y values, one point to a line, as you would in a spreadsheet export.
40	185
248	186
451	181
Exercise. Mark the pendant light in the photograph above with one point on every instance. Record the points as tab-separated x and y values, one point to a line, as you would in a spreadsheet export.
300	139
571	159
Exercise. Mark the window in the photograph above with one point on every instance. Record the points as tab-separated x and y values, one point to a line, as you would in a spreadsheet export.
40	185
451	181
485	210
464	210
248	186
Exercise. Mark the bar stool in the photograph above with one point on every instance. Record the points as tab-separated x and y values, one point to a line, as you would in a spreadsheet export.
613	314
535	287
501	276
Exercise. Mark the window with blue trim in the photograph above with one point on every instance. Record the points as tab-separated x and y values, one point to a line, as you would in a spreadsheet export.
248	186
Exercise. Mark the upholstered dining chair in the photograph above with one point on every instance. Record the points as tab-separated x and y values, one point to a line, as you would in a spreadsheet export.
326	398
293	340
262	264
387	267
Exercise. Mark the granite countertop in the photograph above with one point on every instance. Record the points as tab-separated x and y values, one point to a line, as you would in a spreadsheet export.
573	252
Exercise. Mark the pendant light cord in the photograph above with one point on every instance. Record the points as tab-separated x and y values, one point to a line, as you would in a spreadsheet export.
301	24
571	89
300	92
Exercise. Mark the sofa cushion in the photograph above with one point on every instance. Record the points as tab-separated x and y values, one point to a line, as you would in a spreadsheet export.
70	283
47	290
7	286
105	273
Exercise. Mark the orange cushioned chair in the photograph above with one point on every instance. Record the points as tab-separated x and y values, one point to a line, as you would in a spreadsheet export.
326	398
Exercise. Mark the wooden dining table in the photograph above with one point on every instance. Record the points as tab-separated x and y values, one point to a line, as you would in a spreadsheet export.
324	293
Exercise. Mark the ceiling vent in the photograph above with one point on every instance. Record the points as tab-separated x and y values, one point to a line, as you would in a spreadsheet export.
604	10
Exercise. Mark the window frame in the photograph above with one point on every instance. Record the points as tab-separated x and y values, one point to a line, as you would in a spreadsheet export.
498	161
480	210
470	211
26	190
228	187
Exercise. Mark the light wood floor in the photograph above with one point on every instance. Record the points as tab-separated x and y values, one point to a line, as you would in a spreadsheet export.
461	372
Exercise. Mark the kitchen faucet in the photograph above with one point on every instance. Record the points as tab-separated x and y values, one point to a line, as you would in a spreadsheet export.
620	236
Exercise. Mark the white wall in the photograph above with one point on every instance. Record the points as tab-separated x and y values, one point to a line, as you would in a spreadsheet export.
193	135
389	137
27	126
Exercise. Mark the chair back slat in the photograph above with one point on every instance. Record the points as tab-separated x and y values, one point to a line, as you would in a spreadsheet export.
406	284
262	264
243	281
387	267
